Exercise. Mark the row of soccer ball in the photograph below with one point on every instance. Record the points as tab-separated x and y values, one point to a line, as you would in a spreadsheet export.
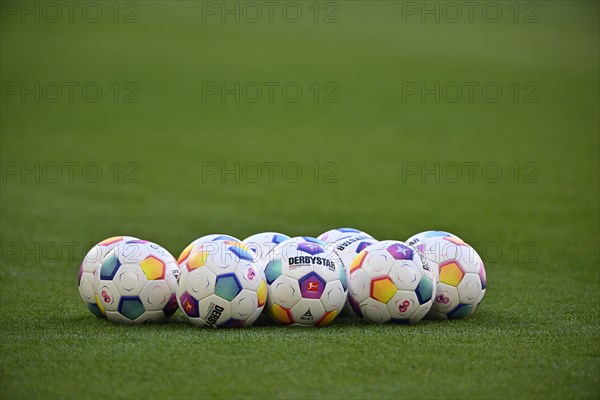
221	281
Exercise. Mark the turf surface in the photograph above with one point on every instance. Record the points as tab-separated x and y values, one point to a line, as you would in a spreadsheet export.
537	332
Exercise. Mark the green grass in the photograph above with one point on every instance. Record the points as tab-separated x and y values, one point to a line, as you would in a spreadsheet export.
537	332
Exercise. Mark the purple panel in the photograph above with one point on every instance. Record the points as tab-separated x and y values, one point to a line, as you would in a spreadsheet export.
310	248
400	251
311	286
189	305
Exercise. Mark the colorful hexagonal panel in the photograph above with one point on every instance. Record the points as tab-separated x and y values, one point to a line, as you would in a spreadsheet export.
225	237
232	323
460	311
138	241
310	248
358	261
241	250
95	309
131	307
429	234
455	240
279	238
362	245
153	268
400	251
197	260
227	286
80	274
100	306
281	314
424	290
189	305
262	294
451	273
185	253
111	240
273	270
311	286
313	240
171	306
482	276
348	230
109	266
383	289
343	278
355	306
327	318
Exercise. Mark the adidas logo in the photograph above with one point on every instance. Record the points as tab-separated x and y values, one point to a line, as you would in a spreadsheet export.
307	316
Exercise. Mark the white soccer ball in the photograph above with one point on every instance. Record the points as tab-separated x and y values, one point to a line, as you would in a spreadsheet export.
334	235
88	268
391	282
460	276
263	244
136	283
307	283
347	249
221	285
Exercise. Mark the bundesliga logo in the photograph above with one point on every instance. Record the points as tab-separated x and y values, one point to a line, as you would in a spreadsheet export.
312	286
187	305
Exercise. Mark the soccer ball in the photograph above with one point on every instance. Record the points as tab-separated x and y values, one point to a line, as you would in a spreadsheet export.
423	236
136	283
391	282
334	235
263	243
215	237
88	267
460	276
307	283
347	249
221	285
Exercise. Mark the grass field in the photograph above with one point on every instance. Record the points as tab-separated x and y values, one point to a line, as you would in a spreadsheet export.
370	120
